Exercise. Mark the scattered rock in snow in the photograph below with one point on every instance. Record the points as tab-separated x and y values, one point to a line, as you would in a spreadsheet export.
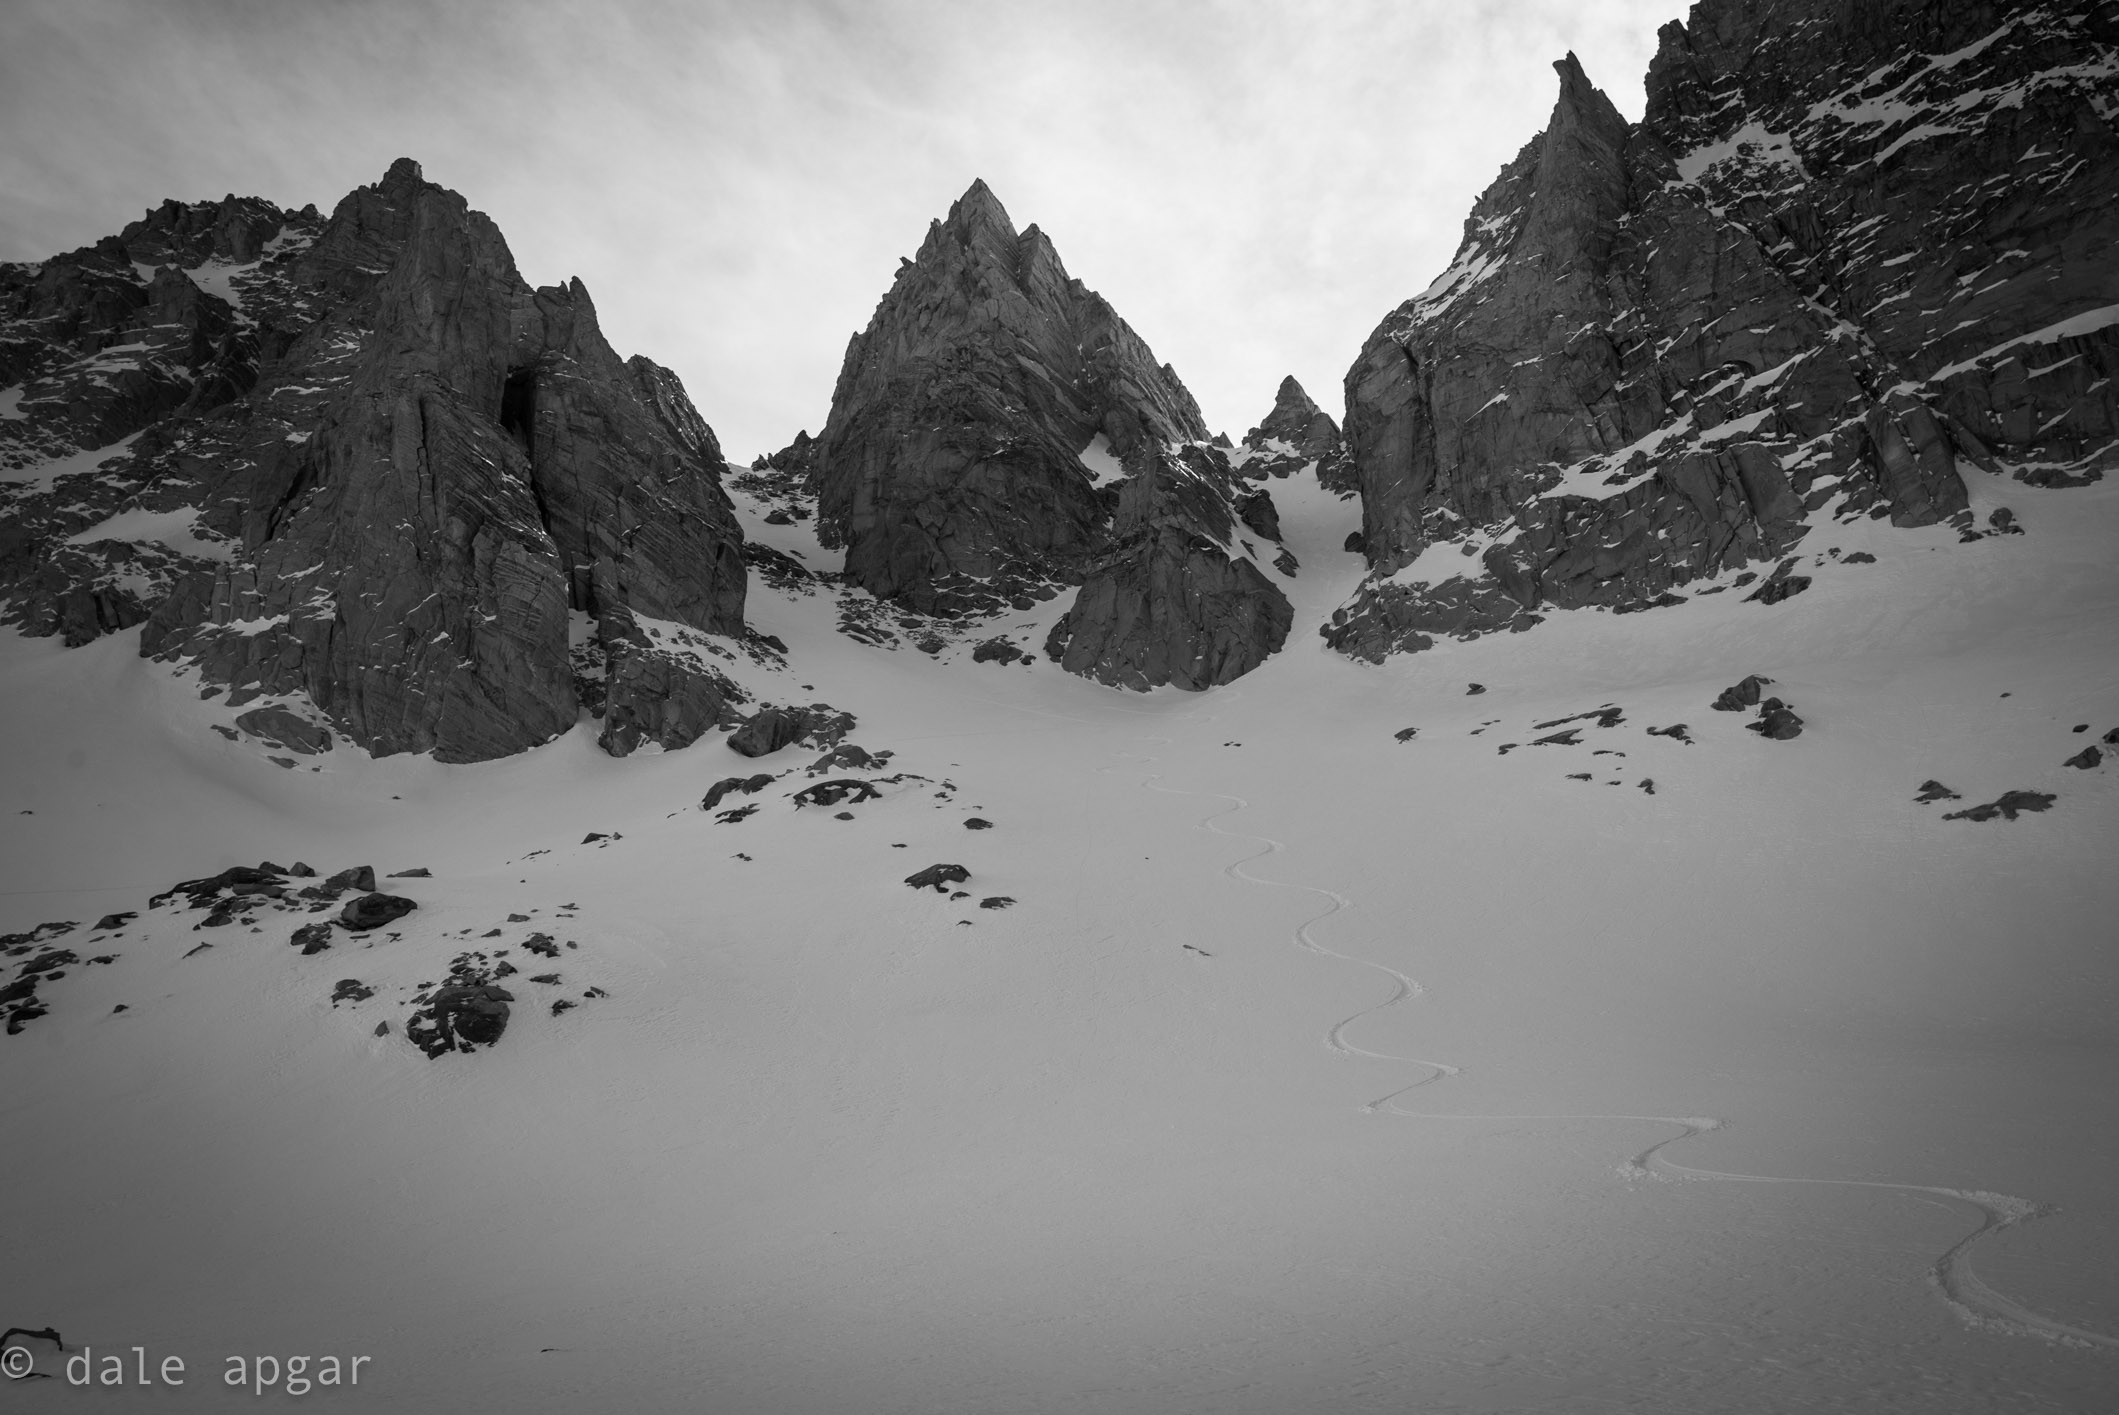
938	877
996	901
1647	783
772	728
286	730
541	945
2085	759
1000	650
1933	790
1406	734
313	938
416	872
2006	806
846	757
1739	696
351	990
1776	720
749	785
850	791
115	921
736	814
1472	690
1676	730
978	823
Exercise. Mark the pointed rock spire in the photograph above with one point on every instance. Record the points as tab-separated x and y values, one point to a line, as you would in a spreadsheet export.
948	466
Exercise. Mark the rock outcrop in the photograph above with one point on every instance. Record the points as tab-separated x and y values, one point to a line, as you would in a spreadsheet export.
952	465
1847	252
1297	437
359	470
998	431
1178	599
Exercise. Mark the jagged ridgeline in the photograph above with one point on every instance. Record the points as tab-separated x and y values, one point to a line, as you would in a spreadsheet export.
356	470
998	433
1849	252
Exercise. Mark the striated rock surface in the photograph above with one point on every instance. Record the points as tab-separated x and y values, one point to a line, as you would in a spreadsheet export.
1296	437
1179	597
360	470
1849	256
975	416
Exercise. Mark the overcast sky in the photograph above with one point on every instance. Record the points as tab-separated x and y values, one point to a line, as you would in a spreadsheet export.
1252	185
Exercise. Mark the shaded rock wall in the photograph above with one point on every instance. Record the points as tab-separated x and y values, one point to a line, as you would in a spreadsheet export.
432	479
1175	600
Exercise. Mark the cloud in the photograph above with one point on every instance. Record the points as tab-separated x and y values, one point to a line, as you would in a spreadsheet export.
1252	185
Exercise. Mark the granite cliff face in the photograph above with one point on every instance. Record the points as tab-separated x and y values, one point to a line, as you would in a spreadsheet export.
998	431
1179	596
1848	253
357	470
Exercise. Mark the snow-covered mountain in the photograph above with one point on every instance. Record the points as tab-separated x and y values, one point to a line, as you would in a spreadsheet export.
978	911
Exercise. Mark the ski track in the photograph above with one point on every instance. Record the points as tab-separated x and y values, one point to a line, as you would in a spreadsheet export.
1976	1304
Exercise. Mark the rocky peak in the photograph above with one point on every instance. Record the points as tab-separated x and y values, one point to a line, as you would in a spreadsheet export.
1847	253
440	514
1580	184
949	464
1296	436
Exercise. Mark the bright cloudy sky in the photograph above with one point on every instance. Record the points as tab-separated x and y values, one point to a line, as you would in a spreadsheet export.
1252	185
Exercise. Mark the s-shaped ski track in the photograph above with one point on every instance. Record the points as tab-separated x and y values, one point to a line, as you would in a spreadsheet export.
1975	1303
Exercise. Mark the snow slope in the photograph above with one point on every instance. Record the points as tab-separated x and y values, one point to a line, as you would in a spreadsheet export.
1310	1070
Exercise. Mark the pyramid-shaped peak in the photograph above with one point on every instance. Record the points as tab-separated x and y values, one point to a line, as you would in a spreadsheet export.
979	209
1293	395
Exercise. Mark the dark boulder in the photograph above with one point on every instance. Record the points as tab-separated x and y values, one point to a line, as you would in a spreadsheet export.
768	730
771	728
938	877
978	823
460	1017
1739	696
372	911
286	730
1776	720
2085	759
998	650
1932	790
360	877
748	785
